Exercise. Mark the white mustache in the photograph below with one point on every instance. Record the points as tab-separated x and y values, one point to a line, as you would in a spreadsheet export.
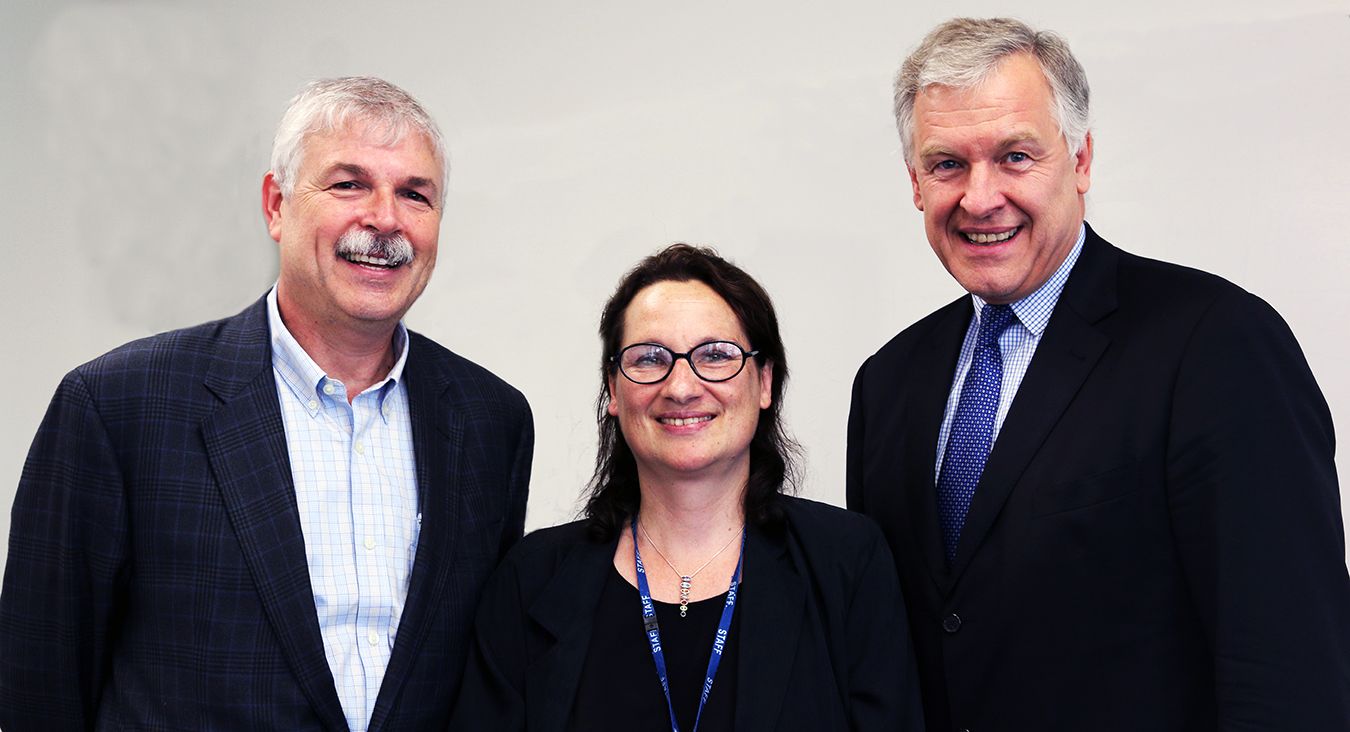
394	248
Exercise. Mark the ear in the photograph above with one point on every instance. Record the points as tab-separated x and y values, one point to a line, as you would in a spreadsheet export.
271	204
766	386
612	407
914	181
1082	166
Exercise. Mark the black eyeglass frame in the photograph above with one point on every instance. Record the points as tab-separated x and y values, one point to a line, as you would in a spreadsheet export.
617	361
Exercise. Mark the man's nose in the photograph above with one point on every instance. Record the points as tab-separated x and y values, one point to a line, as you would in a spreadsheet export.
382	212
984	191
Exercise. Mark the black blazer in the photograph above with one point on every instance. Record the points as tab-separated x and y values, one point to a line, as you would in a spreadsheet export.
157	576
1156	542
822	643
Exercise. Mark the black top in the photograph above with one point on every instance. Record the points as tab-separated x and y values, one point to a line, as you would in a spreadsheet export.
819	645
619	689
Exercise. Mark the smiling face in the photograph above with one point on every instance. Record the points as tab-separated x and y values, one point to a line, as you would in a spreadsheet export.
350	184
1001	196
685	427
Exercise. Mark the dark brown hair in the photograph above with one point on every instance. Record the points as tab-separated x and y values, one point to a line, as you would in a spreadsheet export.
614	495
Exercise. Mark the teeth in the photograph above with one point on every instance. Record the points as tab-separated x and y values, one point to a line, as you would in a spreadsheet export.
991	238
680	422
363	259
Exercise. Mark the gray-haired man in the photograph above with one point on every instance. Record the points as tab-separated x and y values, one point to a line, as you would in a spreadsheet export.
1108	481
280	520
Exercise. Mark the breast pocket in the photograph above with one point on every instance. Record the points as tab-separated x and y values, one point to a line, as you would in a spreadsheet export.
1089	491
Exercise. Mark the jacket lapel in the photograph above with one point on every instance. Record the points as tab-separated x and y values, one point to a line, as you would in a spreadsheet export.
1067	353
438	433
771	605
246	446
566	609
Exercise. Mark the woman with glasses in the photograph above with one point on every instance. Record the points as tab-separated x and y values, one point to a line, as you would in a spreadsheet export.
694	595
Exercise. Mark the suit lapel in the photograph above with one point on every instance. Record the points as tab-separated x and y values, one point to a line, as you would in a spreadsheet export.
566	609
932	381
1068	351
438	433
246	446
771	607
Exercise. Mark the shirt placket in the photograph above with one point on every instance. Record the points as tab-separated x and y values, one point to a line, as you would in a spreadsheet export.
375	634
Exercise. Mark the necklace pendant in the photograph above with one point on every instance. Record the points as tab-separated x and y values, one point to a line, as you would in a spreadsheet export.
686	582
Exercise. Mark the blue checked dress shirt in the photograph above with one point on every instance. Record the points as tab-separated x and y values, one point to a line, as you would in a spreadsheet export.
1017	343
356	489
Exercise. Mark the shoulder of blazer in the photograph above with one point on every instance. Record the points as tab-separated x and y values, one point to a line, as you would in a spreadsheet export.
956	311
234	349
466	380
823	531
535	559
1147	287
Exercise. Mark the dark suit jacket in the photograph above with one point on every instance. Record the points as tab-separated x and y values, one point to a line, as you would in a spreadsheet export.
822	643
157	576
1156	542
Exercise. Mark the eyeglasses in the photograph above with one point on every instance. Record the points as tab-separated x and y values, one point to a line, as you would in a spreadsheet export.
649	363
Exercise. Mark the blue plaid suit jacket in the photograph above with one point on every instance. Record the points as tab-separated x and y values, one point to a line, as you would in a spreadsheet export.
157	576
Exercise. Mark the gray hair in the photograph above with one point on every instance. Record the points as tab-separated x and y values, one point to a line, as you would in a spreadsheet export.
962	52
325	105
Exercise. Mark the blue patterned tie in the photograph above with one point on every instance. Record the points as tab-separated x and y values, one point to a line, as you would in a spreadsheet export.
972	429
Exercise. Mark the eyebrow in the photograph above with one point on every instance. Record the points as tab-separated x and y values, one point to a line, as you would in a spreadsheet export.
349	168
1016	138
935	150
418	181
415	181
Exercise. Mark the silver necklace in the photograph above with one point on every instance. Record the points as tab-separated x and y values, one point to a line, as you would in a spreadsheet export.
687	580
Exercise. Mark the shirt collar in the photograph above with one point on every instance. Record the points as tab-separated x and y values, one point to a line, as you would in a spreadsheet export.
1034	310
304	377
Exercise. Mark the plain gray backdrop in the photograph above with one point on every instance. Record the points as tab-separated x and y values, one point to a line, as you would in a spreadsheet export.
584	135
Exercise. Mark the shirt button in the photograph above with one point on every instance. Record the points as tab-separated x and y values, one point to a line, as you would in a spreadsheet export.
370	544
328	389
313	404
373	639
951	623
359	448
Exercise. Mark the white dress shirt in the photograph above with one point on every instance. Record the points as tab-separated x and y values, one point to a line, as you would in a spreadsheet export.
356	489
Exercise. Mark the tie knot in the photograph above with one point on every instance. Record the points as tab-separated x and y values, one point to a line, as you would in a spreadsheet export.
994	319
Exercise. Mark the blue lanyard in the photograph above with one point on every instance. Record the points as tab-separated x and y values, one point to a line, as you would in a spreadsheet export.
654	633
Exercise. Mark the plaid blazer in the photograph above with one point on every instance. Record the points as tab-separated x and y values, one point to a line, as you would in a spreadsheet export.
157	576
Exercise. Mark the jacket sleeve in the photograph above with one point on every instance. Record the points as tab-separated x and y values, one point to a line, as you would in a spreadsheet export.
513	527
883	689
492	696
67	562
853	483
1255	509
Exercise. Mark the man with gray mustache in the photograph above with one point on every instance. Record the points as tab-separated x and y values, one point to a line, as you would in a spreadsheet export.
279	520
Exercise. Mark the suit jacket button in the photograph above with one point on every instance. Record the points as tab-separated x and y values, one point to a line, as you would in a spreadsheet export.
951	623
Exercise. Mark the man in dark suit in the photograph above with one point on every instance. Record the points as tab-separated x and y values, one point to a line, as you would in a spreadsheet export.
279	520
1108	481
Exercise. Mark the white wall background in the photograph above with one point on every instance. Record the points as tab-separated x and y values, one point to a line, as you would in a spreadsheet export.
585	135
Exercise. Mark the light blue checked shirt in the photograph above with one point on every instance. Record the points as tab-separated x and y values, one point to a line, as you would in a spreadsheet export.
1018	344
356	487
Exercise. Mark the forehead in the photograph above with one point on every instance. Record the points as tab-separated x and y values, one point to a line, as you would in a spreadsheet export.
680	314
1014	99
358	142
